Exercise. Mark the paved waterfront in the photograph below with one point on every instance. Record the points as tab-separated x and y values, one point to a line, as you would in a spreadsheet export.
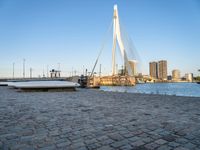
92	119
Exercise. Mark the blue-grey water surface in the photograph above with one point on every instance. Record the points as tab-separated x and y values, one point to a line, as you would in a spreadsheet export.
179	89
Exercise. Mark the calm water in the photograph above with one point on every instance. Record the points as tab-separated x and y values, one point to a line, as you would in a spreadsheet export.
179	89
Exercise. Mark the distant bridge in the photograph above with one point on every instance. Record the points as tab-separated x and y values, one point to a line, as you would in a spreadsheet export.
129	65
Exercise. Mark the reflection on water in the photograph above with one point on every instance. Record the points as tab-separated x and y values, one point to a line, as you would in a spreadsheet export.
179	89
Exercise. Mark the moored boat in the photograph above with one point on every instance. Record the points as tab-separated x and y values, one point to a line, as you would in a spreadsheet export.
45	86
3	83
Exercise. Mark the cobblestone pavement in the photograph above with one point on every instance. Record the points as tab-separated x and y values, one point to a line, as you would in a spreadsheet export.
92	119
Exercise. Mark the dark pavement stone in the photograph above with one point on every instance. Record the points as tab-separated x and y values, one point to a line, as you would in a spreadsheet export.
119	143
93	146
88	142
105	148
133	139
189	146
126	147
173	144
151	146
160	142
140	148
102	138
22	147
181	148
127	135
169	138
189	137
147	140
164	147
106	142
81	148
116	136
50	147
182	140
64	144
137	143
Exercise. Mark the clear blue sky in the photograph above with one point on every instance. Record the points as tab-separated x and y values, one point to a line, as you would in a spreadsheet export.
48	32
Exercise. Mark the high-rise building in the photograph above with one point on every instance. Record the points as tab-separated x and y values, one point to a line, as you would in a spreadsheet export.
176	75
162	70
153	69
189	77
133	65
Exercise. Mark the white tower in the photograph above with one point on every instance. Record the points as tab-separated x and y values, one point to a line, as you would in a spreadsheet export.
117	39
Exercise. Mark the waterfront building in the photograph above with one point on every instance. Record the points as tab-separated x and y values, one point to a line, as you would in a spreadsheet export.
133	64
176	75
153	69
189	77
55	73
169	77
162	70
121	72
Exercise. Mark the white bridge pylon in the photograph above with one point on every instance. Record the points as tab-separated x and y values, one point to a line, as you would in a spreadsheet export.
118	39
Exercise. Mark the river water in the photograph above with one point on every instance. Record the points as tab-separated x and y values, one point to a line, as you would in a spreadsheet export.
179	89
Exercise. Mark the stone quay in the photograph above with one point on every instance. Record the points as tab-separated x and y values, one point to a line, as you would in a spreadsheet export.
92	119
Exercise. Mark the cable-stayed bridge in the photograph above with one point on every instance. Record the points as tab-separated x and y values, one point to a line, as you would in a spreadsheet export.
126	76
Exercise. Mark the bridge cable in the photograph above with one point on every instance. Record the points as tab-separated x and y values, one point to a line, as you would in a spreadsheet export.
102	47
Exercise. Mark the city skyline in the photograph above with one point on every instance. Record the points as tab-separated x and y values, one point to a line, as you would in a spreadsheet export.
68	35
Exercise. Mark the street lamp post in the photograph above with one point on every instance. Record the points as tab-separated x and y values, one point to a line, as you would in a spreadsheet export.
47	71
13	70
83	69
100	70
58	66
31	72
24	68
